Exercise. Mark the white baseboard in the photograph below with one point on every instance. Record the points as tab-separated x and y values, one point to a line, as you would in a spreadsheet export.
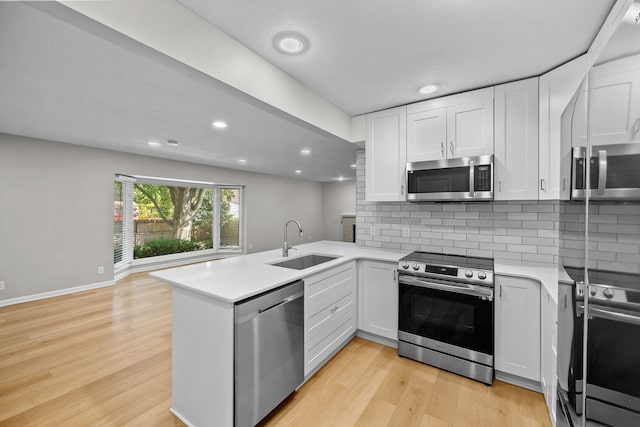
56	293
377	338
519	381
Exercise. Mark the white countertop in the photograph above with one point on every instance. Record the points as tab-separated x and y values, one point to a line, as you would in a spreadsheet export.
234	279
546	274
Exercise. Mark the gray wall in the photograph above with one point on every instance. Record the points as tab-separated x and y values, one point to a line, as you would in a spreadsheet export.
56	226
337	198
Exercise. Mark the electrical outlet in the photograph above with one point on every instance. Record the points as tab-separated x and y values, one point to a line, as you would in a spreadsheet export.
374	230
100	269
406	232
1	285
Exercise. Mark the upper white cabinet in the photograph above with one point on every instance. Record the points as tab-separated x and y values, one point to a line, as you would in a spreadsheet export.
449	127
516	140
557	87
378	293
385	155
614	98
517	327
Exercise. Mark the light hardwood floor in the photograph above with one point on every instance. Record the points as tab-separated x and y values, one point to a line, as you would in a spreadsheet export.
103	357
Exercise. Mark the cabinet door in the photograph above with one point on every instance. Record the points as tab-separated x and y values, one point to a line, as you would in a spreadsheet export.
470	126
516	140
386	155
379	299
427	135
614	98
557	87
517	330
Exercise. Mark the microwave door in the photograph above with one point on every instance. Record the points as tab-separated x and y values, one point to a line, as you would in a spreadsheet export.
618	175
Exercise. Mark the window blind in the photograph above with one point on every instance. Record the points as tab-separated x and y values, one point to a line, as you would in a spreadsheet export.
123	224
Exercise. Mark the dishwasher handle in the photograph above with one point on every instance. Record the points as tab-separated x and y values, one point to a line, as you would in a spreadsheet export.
284	301
271	300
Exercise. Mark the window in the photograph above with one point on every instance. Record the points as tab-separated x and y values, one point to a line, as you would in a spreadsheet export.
171	217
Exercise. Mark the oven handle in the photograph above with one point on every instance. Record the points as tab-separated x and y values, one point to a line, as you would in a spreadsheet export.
476	291
618	315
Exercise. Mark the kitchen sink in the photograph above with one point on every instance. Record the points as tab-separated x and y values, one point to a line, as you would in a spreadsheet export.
305	261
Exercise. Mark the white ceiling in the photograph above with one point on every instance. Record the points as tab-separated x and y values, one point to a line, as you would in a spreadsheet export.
368	55
63	83
74	80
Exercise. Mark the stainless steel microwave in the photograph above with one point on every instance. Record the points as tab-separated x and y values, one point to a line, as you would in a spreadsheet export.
463	179
614	172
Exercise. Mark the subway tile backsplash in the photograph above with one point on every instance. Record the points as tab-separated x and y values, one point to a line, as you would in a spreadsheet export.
614	236
522	230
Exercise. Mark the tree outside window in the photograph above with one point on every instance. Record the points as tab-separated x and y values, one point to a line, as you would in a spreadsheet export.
176	219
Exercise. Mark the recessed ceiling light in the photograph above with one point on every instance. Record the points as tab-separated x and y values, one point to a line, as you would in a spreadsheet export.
154	143
291	43
353	166
172	142
219	124
426	89
298	171
305	152
242	161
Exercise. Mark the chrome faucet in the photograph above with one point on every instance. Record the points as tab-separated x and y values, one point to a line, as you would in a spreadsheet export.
286	247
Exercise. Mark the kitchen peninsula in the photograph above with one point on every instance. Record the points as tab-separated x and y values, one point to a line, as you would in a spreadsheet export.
203	315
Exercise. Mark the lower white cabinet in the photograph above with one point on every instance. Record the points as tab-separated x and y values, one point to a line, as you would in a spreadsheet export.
548	350
517	327
378	288
330	313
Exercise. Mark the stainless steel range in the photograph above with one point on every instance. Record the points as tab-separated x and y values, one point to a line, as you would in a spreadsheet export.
445	316
611	391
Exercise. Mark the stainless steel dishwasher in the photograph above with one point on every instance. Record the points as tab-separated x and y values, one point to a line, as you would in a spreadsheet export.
269	351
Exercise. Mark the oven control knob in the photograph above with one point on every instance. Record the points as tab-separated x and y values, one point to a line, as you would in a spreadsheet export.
468	274
609	293
482	275
405	265
416	267
593	290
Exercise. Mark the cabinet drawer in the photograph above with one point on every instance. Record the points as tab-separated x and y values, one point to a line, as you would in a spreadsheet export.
322	282
339	328
324	300
325	321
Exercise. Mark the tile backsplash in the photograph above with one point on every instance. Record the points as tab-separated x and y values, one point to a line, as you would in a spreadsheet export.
614	236
522	230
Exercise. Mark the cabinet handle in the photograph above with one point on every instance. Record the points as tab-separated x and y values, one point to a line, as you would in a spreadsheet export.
334	309
500	186
402	189
442	149
395	277
451	148
564	184
500	291
542	185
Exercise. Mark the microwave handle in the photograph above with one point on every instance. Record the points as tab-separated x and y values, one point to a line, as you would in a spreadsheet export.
471	178
602	172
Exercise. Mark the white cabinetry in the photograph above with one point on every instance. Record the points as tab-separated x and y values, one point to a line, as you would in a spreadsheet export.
614	97
517	329
516	140
449	127
548	350
379	299
557	87
330	313
385	155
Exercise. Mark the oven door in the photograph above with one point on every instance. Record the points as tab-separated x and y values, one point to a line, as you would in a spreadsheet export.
613	366
452	318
